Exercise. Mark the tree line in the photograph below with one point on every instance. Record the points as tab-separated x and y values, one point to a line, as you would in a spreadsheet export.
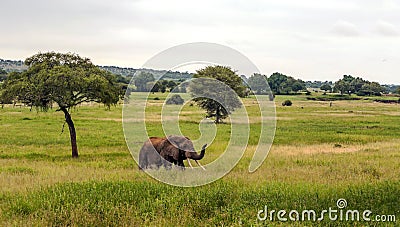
356	85
281	84
145	81
278	84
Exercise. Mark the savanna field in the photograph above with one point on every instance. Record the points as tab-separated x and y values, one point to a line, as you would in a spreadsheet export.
320	154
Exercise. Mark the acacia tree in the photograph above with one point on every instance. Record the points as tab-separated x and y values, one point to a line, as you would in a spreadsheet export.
64	79
224	101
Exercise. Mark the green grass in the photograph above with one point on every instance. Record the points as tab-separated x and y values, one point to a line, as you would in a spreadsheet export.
221	203
320	154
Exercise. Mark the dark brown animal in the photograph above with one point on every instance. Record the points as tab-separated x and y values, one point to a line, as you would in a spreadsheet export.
157	152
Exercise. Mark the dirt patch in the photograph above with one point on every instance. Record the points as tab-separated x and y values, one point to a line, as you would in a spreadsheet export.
330	148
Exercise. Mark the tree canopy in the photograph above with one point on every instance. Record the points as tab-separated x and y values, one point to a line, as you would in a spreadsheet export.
356	85
3	74
64	79
326	88
142	79
161	85
282	84
258	83
218	99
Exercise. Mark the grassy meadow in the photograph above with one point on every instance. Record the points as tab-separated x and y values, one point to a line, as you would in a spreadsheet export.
320	154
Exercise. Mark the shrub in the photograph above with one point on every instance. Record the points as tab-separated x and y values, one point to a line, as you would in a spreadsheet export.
287	103
175	100
156	98
332	98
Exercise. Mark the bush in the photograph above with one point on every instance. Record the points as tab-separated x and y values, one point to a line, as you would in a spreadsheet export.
333	98
175	100
156	98
387	101
287	103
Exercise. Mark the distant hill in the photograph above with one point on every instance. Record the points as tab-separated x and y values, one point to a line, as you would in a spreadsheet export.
130	72
7	66
19	66
12	66
391	88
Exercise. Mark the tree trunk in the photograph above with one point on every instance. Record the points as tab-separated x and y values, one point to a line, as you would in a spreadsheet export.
72	132
217	115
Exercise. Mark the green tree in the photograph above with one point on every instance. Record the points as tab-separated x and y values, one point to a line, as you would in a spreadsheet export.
171	85
343	85
298	85
356	84
164	82
64	79
216	98
7	95
142	79
275	81
153	86
326	88
280	84
258	83
398	90
371	88
123	81
349	84
163	85
3	74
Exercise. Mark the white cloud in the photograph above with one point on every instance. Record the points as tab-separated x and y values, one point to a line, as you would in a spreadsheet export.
345	28
390	5
386	29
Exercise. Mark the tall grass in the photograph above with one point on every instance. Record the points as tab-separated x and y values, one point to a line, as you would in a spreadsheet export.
222	203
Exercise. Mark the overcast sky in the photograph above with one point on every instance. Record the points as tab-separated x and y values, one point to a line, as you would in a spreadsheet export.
307	39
